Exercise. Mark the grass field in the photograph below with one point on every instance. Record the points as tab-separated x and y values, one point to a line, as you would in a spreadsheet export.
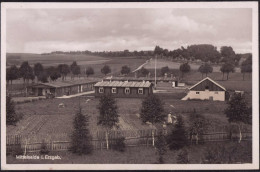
176	65
143	155
96	62
53	59
44	116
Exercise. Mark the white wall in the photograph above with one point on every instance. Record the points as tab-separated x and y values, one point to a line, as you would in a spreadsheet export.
205	95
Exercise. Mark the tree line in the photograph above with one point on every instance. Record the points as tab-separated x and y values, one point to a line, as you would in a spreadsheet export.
202	52
52	73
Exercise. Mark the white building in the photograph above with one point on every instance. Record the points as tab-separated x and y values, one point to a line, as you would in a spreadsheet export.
206	89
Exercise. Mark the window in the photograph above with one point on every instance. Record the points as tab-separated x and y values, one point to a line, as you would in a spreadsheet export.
127	90
101	90
140	91
197	92
113	90
207	87
216	92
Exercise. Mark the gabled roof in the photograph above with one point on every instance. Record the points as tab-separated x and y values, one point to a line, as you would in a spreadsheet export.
122	84
207	78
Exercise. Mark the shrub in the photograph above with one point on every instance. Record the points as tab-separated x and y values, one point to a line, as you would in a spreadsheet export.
228	153
178	137
183	157
161	146
119	144
17	150
81	138
44	150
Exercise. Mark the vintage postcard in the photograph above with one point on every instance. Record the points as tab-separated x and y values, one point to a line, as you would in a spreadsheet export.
130	86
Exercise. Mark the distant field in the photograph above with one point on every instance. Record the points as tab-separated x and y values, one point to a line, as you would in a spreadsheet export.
53	59
176	65
96	62
116	64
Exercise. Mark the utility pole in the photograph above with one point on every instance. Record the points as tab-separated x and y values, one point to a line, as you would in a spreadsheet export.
155	71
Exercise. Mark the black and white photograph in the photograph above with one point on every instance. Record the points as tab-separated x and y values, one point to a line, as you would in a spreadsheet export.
149	85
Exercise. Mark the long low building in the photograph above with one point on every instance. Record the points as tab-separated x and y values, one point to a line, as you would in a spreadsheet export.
60	88
123	88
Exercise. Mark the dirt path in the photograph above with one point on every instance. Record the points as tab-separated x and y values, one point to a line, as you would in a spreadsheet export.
76	95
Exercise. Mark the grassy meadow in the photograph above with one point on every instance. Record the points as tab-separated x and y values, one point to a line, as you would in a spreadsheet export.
145	155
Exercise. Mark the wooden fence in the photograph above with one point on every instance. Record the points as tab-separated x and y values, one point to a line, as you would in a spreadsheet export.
62	142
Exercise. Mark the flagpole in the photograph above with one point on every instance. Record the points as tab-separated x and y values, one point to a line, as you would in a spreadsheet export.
155	71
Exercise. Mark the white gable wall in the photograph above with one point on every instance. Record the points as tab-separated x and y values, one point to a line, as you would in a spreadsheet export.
205	95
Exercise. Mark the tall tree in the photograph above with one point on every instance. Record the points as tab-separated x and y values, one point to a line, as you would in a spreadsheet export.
164	70
144	72
152	111
184	68
11	116
228	54
64	70
38	69
158	50
108	114
75	69
89	71
177	139
125	70
81	138
227	68
238	112
43	77
246	66
26	71
205	69
53	73
12	73
106	70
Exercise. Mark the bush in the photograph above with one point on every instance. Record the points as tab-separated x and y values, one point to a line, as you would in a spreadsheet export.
228	153
44	150
17	150
183	157
178	137
81	138
161	146
119	144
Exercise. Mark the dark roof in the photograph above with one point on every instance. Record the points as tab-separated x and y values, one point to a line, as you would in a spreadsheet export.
122	84
59	84
139	79
207	78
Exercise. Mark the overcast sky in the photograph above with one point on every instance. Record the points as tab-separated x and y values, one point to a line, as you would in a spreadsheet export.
46	30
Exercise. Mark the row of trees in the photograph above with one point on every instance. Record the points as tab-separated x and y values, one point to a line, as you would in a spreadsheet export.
61	71
206	68
203	52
